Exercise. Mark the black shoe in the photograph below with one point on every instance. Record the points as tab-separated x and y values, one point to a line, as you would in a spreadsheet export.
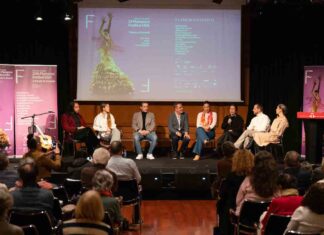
174	155
182	156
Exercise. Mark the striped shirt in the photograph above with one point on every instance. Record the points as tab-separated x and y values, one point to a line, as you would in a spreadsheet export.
85	227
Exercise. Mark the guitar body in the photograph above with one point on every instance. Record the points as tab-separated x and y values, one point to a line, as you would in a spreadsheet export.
46	142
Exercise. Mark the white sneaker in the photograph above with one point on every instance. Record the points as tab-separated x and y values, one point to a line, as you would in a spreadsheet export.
150	156
139	157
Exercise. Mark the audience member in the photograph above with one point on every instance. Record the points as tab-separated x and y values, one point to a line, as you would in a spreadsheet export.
102	183
261	185
288	201
80	161
309	217
6	203
292	167
224	166
89	214
124	168
242	164
318	174
43	160
7	177
30	196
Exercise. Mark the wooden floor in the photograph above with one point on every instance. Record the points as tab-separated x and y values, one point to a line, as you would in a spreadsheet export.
185	217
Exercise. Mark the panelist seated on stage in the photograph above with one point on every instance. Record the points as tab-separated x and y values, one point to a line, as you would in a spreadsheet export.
278	127
104	123
206	122
232	125
74	124
260	123
179	130
143	124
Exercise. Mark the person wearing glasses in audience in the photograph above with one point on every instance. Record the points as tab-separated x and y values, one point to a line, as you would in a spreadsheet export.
206	122
143	124
179	130
104	123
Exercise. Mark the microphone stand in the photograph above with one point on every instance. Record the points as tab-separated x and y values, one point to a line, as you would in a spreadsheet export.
33	120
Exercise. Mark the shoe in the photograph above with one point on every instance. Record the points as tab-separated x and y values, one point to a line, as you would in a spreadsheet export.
182	156
139	157
174	155
196	158
150	156
206	141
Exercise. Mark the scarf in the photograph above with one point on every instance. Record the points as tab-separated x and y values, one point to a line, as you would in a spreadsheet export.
106	193
209	119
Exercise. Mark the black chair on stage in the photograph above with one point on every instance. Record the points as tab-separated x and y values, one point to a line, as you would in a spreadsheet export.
68	139
129	190
276	225
73	187
30	230
291	232
39	218
246	222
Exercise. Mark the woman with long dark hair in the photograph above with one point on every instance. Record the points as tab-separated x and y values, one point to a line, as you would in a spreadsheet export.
262	183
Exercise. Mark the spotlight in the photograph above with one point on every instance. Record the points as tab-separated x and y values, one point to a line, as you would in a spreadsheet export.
67	17
39	18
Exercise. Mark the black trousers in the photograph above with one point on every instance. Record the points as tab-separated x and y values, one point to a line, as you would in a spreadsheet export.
175	141
88	136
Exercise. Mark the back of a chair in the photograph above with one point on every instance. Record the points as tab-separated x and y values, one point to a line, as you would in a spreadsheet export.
251	212
40	219
72	186
57	210
107	219
276	225
30	230
128	189
60	193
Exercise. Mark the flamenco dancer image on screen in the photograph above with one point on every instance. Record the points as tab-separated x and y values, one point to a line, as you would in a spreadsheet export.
108	77
316	98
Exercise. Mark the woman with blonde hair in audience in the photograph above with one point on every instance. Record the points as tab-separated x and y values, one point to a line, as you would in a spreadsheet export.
309	217
89	214
242	164
261	185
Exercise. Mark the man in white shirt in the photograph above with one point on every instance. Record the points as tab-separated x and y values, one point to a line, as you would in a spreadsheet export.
124	168
260	123
104	123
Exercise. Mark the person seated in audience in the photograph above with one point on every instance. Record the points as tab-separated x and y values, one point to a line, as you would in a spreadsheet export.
102	183
44	161
318	174
288	201
292	166
7	177
232	125
309	217
178	125
242	164
143	124
260	123
278	127
89	214
99	161
6	203
75	127
80	161
224	166
124	168
206	122
30	196
261	185
105	124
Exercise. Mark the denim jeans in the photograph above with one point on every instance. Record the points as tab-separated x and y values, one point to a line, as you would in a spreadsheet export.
150	137
201	136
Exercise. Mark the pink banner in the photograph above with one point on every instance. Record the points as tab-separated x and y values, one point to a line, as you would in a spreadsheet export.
7	110
313	91
35	93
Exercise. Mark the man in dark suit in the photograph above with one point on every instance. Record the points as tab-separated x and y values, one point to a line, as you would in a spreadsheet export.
179	130
30	196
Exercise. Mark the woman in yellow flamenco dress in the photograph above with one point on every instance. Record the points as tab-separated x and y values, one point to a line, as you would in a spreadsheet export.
108	77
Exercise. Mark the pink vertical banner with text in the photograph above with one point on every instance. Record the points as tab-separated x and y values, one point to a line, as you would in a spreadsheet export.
7	110
313	91
35	93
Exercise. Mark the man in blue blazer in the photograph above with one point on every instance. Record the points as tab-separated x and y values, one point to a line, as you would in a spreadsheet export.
179	130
